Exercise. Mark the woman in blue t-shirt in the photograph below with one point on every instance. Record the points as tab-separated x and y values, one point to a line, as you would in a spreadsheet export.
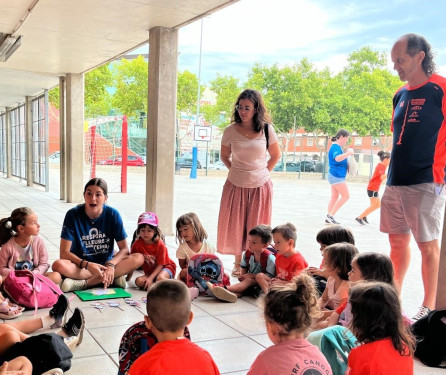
87	241
337	162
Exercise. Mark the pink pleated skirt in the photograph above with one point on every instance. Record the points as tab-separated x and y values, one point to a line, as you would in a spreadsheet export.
241	209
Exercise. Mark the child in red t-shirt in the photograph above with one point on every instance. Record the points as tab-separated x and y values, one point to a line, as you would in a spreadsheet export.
157	264
372	189
168	313
377	323
289	262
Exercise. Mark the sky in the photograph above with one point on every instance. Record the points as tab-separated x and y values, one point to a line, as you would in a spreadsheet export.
324	31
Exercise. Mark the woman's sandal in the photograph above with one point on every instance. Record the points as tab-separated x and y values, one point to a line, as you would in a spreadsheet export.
8	311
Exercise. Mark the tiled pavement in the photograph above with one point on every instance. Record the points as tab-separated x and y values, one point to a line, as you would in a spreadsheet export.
233	333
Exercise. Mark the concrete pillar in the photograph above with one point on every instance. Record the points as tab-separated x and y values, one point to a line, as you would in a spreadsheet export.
29	140
8	142
75	137
163	59
62	128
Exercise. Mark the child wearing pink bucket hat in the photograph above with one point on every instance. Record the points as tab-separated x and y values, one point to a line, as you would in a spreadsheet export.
148	242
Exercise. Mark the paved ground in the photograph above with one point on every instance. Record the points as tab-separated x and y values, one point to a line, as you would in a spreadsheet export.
233	333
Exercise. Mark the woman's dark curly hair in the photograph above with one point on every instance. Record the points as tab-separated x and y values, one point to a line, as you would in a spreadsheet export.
260	116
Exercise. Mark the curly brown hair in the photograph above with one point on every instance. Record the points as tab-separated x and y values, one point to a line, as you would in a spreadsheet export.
293	305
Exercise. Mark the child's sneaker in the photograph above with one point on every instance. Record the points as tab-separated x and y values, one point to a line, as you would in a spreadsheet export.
75	326
360	221
59	310
70	285
364	219
331	220
194	292
54	371
222	293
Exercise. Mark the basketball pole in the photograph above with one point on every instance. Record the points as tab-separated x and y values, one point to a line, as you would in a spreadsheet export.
193	170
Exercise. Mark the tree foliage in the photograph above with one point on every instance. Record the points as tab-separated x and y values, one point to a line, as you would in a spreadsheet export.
187	92
131	83
97	97
226	89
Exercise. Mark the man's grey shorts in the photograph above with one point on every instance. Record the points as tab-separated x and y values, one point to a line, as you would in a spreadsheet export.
417	208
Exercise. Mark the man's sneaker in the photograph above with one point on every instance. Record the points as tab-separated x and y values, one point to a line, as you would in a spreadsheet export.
69	285
330	219
364	219
422	312
119	282
75	325
360	221
222	293
59	310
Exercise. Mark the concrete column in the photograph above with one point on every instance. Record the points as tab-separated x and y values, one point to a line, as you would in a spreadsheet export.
75	137
62	127
29	140
8	143
163	60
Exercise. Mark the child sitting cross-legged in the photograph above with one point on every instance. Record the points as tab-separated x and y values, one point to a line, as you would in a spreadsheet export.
168	313
289	262
254	260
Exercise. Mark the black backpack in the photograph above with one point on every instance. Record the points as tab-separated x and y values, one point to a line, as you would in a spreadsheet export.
45	351
430	333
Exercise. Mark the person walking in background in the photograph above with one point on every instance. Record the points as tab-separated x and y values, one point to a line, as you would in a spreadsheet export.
247	193
373	187
414	196
338	166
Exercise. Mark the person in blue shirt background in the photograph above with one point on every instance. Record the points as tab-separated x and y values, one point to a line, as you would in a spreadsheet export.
338	166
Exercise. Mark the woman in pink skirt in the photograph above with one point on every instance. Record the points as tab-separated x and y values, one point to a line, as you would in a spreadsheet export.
247	194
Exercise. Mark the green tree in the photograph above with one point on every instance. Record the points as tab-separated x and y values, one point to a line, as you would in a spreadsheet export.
187	92
226	89
368	88
131	83
97	97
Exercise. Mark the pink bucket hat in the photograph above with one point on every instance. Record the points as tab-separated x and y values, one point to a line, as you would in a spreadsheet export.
148	218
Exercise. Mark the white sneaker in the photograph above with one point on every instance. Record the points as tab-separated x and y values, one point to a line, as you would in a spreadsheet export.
69	285
120	282
422	312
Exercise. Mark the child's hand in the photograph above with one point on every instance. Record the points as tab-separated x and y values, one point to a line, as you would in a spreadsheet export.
147	283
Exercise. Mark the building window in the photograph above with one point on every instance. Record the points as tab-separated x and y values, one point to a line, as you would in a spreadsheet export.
296	142
310	141
358	141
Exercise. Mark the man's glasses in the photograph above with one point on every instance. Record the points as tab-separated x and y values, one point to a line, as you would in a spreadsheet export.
241	108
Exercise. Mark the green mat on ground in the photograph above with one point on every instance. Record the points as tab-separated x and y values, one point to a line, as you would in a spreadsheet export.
98	293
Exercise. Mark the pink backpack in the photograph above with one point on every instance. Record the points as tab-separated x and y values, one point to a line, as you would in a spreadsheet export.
31	290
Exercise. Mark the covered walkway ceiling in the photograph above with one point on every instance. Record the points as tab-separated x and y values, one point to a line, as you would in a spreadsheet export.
75	36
